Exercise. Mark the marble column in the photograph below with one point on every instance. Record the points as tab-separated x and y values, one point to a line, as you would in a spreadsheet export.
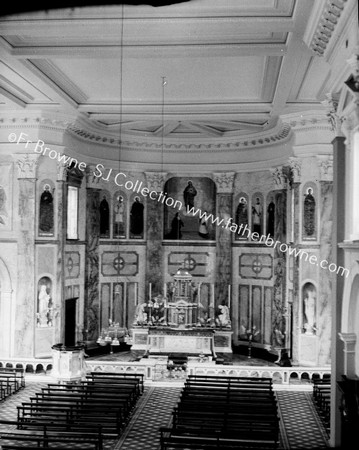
337	363
296	286
154	234
224	184
24	340
324	315
91	300
59	306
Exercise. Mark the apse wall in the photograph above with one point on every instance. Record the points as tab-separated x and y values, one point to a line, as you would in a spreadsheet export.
119	245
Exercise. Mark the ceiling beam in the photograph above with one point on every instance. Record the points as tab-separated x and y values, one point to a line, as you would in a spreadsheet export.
148	51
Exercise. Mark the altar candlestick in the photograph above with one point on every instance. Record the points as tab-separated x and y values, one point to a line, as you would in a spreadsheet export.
136	294
229	296
212	295
199	293
165	290
150	291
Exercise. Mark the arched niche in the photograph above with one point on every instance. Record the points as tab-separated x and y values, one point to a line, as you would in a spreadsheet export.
257	208
309	308
104	210
120	204
44	303
46	215
137	217
309	212
188	198
271	211
241	215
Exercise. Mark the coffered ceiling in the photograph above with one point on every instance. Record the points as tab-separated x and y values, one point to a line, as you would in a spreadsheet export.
196	69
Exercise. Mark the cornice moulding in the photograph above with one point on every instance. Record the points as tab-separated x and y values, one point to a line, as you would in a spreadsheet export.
280	133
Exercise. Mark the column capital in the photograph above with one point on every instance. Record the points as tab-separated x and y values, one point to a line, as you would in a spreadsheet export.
296	169
325	164
349	340
155	180
26	165
91	180
224	182
331	106
279	177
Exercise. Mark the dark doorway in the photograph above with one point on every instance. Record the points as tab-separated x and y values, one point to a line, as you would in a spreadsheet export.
70	321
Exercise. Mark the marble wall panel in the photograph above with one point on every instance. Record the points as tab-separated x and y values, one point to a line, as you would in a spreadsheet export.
223	250
105	312
6	197
244	319
46	260
257	308
130	305
267	333
119	303
91	302
154	269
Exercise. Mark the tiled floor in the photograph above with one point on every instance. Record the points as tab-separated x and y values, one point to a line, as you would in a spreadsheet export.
300	425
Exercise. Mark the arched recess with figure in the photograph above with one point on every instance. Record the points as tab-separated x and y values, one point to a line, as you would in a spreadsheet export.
6	311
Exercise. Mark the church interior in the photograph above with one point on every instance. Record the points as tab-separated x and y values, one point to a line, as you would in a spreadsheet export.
179	190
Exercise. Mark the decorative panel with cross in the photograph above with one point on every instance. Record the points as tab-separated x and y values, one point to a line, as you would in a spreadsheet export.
195	263
123	263
255	266
72	264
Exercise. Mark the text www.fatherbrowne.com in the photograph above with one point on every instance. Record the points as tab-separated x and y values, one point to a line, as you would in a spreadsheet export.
227	223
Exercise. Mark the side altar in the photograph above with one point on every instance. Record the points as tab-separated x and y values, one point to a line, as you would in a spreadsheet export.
177	322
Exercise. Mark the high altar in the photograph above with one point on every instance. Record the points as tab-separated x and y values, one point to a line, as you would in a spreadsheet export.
177	323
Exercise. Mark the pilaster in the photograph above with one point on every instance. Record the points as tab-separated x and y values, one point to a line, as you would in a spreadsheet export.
25	320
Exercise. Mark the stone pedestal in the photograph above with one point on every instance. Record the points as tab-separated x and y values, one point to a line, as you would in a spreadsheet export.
68	363
308	349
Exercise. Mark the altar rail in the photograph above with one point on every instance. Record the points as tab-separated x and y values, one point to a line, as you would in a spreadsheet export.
280	375
30	365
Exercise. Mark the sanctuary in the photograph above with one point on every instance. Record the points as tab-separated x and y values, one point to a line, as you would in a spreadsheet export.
178	323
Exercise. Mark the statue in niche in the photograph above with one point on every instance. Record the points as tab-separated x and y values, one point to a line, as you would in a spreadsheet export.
136	220
119	217
309	308
242	213
44	316
188	195
3	212
271	215
309	213
46	212
104	217
257	216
